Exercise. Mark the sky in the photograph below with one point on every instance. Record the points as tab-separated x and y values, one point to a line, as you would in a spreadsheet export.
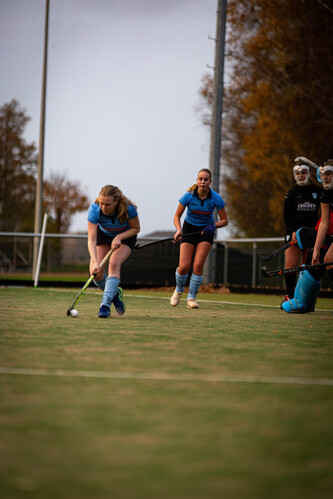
123	80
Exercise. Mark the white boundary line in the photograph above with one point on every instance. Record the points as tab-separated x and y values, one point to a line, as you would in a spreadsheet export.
219	302
168	377
207	301
93	291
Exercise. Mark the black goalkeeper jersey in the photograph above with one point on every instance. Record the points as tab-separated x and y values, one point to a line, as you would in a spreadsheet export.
326	197
301	206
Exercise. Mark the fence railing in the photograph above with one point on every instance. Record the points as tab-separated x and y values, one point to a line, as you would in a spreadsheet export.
65	256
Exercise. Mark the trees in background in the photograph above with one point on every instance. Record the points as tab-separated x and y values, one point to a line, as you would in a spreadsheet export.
62	199
18	167
278	104
18	170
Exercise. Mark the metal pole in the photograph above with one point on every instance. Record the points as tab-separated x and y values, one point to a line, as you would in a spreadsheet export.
216	126
226	263
40	252
254	264
40	168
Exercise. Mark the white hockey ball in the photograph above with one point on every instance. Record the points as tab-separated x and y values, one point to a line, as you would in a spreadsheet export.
74	313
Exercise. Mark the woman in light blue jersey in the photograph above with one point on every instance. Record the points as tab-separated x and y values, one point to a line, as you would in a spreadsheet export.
200	201
112	222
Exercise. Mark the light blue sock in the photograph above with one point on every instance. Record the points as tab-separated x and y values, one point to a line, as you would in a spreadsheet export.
180	281
110	290
195	283
100	284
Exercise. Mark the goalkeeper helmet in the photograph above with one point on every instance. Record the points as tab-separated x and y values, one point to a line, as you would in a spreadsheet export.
326	174
302	174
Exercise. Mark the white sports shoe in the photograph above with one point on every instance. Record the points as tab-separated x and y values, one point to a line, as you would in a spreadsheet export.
192	303
175	298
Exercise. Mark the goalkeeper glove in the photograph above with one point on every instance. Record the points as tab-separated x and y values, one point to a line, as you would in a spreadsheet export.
210	229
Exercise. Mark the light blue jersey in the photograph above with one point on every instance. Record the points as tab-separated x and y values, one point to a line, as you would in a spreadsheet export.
110	224
200	211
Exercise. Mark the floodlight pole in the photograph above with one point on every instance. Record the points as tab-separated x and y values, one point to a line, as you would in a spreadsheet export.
216	126
40	168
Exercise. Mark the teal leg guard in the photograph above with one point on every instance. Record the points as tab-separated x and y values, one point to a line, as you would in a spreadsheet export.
180	282
110	290
305	296
101	284
195	283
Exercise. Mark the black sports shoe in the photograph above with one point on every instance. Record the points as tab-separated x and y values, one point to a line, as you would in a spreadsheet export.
286	298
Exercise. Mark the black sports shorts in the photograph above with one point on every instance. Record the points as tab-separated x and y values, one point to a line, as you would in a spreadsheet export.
196	238
103	238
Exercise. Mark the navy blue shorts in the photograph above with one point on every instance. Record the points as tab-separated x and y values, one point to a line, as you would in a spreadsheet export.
196	238
103	238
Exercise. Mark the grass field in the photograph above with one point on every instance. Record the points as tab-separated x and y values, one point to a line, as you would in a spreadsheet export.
233	400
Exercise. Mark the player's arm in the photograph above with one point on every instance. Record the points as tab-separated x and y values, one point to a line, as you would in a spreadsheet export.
322	231
223	219
176	220
132	231
92	247
211	228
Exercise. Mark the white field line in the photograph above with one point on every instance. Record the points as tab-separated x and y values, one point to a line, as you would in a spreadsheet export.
92	291
207	301
217	302
168	377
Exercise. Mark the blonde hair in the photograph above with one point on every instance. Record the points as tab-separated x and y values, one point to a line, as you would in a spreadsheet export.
111	191
194	186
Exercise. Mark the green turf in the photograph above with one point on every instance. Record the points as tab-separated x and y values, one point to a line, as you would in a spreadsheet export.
164	402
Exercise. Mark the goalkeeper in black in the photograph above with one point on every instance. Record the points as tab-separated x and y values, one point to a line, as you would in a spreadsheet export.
300	209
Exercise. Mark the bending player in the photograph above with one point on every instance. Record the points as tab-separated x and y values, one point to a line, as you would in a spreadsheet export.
300	209
200	202
112	221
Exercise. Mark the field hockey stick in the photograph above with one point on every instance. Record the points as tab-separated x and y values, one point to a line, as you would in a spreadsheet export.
305	238
268	258
292	270
139	246
101	265
307	161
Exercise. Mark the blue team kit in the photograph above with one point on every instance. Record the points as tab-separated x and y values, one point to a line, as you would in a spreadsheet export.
110	225
200	211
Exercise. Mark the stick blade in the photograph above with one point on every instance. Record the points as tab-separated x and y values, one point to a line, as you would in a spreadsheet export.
265	258
69	311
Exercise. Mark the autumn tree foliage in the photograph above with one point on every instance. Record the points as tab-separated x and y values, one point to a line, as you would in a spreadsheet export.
18	165
278	104
62	199
18	172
